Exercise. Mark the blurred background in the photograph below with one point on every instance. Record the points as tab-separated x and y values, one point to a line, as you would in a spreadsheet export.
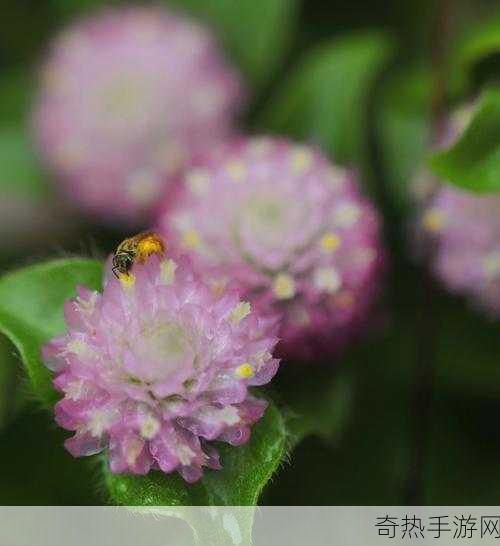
413	416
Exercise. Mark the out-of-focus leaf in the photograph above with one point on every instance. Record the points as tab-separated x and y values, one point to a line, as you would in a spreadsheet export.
468	349
319	401
369	465
256	32
246	470
473	162
15	96
479	42
31	310
72	9
36	470
462	458
325	99
20	172
402	129
11	392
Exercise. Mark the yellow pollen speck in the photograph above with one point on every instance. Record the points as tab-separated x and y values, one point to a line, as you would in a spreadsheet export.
133	450
301	160
127	280
491	265
198	181
150	428
284	286
77	346
236	170
433	220
346	215
191	239
185	454
167	274
330	242
245	371
240	311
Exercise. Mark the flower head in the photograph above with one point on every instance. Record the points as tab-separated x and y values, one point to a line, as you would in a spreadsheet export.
128	98
157	367
290	230
459	232
462	232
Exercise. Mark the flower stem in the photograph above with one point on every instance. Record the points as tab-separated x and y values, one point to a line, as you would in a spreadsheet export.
426	320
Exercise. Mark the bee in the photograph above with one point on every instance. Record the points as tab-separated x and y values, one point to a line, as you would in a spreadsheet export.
136	249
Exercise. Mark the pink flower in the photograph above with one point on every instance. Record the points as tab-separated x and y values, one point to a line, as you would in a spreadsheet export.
461	230
128	98
292	232
159	366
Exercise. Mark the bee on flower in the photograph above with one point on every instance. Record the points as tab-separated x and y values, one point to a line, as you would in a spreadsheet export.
137	248
158	366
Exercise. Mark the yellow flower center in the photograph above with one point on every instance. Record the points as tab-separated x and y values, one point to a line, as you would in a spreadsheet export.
284	286
330	242
244	371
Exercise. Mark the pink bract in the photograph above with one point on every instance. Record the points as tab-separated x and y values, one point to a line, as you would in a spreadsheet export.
291	231
128	98
159	366
459	232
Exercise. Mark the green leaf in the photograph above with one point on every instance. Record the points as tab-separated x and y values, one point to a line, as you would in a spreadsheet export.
256	32
19	169
403	129
72	9
479	42
11	393
16	89
324	414
325	100
38	471
246	470
31	310
473	163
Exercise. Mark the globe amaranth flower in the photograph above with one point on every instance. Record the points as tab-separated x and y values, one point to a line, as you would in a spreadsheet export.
290	230
127	98
157	367
459	232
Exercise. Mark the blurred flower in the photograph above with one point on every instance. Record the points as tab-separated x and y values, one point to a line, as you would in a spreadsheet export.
158	366
459	232
128	97
291	231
